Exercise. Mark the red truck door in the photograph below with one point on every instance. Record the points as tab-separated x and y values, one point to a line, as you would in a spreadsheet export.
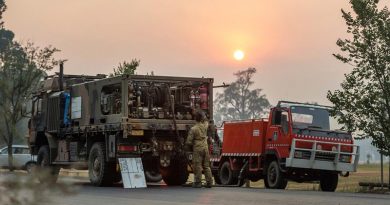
278	133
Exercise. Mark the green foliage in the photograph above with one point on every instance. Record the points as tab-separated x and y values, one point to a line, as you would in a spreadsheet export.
3	7
126	68
21	69
238	101
364	98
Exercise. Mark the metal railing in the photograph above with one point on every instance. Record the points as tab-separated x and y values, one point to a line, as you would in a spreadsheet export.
316	160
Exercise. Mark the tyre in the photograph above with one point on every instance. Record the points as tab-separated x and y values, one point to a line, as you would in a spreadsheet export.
266	185
274	177
226	175
329	181
176	174
43	163
152	176
101	173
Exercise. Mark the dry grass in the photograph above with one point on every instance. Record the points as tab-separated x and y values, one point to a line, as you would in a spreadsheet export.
365	173
19	188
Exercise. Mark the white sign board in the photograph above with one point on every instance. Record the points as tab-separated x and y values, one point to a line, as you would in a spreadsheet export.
132	171
76	108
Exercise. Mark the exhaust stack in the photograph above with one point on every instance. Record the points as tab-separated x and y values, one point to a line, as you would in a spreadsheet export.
61	76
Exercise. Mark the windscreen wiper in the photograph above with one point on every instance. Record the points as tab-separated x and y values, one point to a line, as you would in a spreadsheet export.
314	126
308	128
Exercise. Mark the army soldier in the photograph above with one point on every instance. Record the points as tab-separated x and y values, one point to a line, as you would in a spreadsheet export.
197	140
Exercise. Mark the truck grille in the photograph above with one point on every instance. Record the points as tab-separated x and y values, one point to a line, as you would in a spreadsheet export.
53	117
325	156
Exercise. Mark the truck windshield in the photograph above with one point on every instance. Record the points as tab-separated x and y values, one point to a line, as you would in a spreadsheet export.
310	117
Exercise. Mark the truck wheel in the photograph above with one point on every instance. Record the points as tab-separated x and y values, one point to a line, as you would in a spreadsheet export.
101	173
176	174
226	175
43	163
329	181
274	177
266	185
152	176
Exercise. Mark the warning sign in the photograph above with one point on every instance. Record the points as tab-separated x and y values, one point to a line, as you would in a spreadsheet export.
132	171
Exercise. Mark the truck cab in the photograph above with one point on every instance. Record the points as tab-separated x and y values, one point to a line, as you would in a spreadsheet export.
298	142
306	136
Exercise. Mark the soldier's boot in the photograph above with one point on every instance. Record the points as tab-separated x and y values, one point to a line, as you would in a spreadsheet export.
208	176
197	185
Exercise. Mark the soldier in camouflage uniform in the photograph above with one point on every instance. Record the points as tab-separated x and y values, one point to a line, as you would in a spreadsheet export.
197	140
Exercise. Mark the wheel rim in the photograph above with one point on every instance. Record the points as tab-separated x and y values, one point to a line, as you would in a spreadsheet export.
96	166
272	176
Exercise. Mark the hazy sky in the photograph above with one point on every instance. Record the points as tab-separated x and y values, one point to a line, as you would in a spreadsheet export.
290	42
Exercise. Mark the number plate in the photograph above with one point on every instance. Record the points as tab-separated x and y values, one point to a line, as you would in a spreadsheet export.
137	132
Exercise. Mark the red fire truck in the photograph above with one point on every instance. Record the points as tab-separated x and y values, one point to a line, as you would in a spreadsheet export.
295	143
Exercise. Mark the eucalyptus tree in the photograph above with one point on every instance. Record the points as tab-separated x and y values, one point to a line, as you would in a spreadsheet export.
239	101
21	69
364	97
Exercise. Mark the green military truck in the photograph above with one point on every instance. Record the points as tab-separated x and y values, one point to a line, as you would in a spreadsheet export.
88	122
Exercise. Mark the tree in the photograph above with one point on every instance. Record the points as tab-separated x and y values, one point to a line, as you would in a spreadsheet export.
21	69
238	101
126	68
364	98
3	7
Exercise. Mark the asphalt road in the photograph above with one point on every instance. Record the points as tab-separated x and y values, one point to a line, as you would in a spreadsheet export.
87	194
161	194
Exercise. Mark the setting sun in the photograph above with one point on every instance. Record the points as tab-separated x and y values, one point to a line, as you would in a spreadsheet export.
238	55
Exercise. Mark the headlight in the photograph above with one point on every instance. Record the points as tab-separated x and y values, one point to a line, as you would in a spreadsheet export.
319	147
345	158
298	154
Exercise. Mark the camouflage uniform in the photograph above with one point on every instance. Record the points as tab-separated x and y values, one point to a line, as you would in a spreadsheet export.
197	139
